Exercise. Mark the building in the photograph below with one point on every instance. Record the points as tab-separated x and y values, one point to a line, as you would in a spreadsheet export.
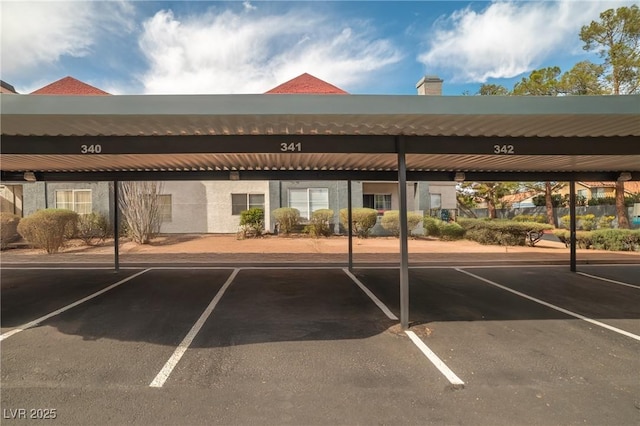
215	206
589	190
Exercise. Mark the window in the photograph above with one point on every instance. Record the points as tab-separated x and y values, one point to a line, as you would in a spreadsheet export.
597	193
435	201
164	206
582	193
78	200
308	200
242	202
380	202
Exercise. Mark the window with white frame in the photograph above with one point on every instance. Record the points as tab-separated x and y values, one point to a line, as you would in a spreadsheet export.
78	200
242	202
582	193
435	201
380	202
308	200
597	193
164	207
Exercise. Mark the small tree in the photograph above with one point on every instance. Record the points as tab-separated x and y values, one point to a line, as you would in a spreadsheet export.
286	218
320	223
363	219
140	207
252	222
93	228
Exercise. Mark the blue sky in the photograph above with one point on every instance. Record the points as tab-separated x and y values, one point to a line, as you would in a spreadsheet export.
364	47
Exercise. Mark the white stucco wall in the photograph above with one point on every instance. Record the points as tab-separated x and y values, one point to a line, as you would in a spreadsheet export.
448	192
205	206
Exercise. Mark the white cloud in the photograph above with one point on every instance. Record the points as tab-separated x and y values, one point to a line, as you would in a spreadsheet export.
35	34
508	37
228	52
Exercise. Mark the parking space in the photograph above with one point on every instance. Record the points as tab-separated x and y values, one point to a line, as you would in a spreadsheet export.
308	346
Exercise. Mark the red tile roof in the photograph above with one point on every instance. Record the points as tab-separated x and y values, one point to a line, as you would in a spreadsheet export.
631	187
69	86
307	84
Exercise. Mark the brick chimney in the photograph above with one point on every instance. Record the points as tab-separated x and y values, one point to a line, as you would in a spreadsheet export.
430	85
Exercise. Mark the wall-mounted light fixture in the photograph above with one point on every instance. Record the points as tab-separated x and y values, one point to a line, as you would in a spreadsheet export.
29	176
459	177
624	177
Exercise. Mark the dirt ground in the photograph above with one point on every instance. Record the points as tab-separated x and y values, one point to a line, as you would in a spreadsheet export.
228	248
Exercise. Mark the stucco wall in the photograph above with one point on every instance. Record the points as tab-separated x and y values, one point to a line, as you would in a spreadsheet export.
34	195
205	206
448	192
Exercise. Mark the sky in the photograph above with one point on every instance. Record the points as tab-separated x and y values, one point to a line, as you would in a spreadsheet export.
363	47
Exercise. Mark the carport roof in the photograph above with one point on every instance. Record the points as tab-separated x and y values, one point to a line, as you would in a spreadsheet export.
357	132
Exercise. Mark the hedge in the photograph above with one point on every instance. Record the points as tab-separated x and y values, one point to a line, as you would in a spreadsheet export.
8	228
538	218
603	239
391	221
47	229
501	232
444	230
363	219
286	218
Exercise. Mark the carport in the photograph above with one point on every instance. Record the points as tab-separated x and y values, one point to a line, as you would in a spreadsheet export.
323	137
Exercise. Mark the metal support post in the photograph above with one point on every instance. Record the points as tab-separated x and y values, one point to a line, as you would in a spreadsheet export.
404	234
116	227
350	226
572	232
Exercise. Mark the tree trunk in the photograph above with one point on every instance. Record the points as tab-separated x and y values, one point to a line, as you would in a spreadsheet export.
491	209
621	209
549	204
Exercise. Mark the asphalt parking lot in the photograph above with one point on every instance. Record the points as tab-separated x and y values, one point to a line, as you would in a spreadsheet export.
533	345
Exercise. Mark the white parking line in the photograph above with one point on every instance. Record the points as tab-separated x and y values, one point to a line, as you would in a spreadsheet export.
66	308
163	375
608	280
372	296
549	305
435	360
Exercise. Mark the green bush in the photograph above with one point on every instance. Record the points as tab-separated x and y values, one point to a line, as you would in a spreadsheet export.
252	222
605	222
8	229
616	239
391	221
500	232
364	220
320	223
538	218
432	226
585	222
286	218
93	228
583	238
451	231
47	229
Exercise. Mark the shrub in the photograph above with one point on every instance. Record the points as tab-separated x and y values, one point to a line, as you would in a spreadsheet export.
585	222
391	221
46	229
320	223
605	222
583	238
93	228
538	218
616	239
431	226
500	232
8	228
286	218
451	231
252	222
364	220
